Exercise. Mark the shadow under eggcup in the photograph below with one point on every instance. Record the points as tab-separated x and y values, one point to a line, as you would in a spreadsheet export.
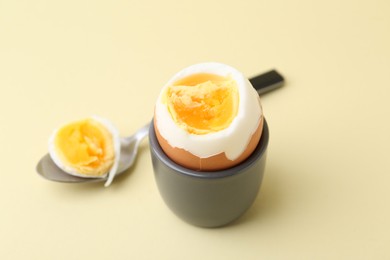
209	199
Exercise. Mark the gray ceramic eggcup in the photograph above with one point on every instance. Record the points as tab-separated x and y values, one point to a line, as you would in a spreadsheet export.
209	199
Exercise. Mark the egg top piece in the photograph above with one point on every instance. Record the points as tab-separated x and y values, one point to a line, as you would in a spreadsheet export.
84	148
208	117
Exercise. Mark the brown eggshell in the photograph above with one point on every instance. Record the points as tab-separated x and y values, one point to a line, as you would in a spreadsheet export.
213	163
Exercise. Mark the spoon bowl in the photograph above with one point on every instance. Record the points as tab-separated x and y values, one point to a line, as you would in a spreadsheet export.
129	149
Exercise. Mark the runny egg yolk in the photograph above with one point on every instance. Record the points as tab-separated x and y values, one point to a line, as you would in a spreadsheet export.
87	146
203	103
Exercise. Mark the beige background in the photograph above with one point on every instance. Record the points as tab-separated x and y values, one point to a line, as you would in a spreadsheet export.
326	190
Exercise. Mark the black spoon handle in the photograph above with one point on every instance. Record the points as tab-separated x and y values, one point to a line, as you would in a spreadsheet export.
267	81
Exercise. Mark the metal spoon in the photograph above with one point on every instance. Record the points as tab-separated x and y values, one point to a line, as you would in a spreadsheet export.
129	146
129	149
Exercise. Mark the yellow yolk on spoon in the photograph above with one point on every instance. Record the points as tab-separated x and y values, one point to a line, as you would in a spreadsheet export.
85	147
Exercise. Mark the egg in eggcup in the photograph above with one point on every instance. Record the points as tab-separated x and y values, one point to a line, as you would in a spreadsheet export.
208	117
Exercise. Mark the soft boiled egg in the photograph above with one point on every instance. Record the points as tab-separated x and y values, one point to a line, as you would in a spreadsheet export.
208	117
87	148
